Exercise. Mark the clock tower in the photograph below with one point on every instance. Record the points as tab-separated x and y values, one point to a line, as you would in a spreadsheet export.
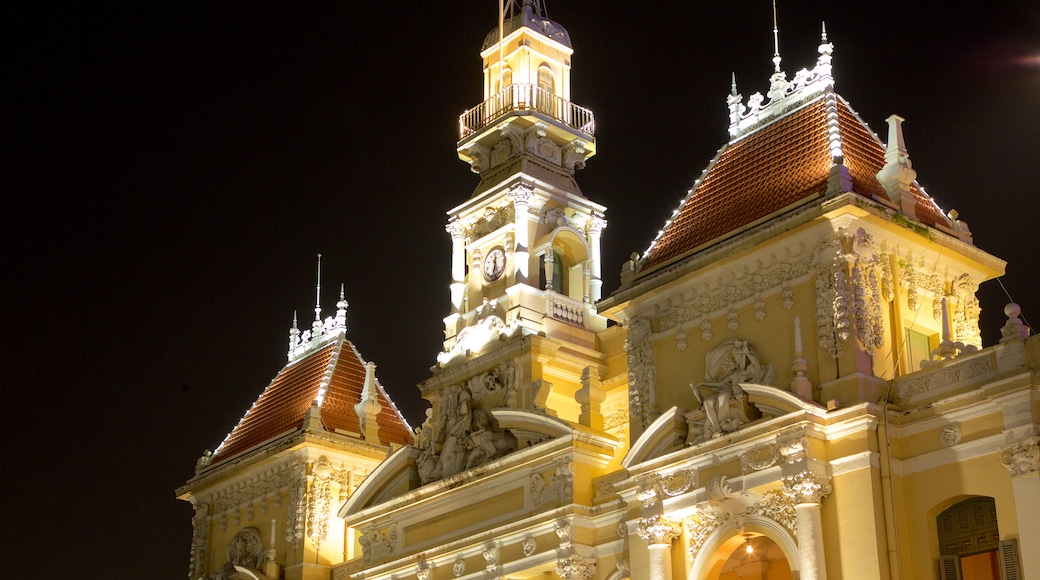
526	245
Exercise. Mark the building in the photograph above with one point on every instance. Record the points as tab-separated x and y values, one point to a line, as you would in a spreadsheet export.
794	386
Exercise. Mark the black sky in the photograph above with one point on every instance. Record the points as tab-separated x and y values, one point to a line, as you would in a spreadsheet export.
171	172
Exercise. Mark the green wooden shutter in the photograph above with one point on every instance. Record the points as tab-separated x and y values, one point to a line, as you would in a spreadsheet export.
1008	555
949	567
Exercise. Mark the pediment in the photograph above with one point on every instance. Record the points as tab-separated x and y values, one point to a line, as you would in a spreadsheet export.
399	474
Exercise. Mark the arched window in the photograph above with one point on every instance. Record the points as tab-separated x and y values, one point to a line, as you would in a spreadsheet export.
546	81
970	547
507	77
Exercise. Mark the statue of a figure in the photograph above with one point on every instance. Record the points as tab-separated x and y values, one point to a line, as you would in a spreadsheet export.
728	365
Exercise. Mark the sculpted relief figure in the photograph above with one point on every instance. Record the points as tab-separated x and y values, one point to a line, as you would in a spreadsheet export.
723	401
461	437
245	550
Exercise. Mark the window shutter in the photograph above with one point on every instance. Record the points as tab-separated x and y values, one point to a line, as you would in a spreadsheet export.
949	568
1009	567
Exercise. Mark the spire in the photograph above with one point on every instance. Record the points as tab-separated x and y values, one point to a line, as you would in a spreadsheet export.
316	325
776	42
341	309
294	336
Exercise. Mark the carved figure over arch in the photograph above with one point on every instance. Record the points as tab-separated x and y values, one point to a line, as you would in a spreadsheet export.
723	401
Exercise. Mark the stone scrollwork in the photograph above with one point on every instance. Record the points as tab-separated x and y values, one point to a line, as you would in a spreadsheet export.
941	377
779	508
297	506
658	529
652	488
246	549
806	487
722	399
1021	458
642	373
559	487
701	524
423	569
576	567
199	541
458	568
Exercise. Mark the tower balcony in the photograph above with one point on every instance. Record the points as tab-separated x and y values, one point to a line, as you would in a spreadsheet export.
525	99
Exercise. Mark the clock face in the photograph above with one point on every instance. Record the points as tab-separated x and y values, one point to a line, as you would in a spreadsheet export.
494	264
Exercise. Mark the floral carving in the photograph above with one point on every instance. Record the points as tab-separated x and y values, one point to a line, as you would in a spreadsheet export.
530	545
1021	458
779	508
806	487
641	371
575	567
943	376
658	529
701	524
199	541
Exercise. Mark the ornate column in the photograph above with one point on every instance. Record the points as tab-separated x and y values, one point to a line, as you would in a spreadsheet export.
808	490
1022	461
659	532
596	225
458	264
521	198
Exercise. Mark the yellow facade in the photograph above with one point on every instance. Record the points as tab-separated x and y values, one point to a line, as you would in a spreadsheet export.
801	396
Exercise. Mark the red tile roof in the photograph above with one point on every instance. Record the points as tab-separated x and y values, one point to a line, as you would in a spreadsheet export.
773	167
284	403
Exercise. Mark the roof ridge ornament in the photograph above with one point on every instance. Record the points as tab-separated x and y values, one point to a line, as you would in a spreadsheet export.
783	95
303	343
898	173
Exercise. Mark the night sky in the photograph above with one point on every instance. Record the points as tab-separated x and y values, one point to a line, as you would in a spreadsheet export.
171	173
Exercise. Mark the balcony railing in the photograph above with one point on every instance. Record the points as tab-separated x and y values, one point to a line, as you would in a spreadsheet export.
526	97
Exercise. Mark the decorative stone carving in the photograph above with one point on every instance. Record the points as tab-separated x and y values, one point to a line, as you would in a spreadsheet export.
296	516
728	295
462	437
529	545
642	373
623	568
806	487
324	485
246	549
680	340
1013	329
559	487
658	529
473	338
490	556
563	532
701	524
779	508
1021	458
724	402
459	567
199	541
653	488
576	567
942	376
378	544
423	569
950	435
622	529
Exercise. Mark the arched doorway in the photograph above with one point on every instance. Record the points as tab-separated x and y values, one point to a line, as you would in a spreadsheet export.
751	556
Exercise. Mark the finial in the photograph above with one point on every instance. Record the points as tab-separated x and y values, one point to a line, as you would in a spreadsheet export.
341	308
317	293
823	34
733	85
294	336
776	42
